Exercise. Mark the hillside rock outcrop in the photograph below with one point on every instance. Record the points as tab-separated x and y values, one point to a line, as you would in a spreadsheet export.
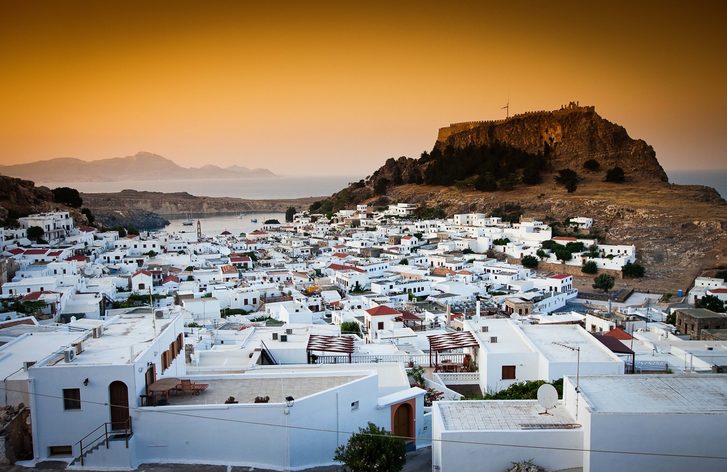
567	137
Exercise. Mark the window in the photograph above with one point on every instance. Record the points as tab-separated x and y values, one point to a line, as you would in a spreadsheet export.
141	287
381	325
180	342
165	361
60	450
508	372
71	398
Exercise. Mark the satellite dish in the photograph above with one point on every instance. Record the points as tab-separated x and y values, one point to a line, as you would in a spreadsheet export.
547	397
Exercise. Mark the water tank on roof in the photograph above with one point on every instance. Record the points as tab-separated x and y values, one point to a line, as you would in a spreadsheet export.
680	293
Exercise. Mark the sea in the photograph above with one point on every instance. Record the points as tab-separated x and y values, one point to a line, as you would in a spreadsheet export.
716	178
215	225
293	187
273	187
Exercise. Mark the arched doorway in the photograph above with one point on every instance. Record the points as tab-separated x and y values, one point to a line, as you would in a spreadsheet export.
119	403
403	426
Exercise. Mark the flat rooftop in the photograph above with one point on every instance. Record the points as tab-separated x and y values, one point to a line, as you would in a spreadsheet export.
31	348
699	394
500	415
125	333
700	313
544	338
508	337
246	389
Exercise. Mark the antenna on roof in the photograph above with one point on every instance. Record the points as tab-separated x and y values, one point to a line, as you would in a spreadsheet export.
578	368
507	107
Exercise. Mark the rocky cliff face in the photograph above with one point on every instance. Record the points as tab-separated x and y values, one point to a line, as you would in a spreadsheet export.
567	137
22	197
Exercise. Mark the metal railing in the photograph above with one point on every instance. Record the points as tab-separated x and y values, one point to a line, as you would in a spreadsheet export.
416	359
108	430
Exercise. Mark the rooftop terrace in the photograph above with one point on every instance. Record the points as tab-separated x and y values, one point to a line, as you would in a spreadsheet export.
502	415
245	390
704	393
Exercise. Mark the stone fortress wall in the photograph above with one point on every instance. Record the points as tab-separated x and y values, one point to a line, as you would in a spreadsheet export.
455	128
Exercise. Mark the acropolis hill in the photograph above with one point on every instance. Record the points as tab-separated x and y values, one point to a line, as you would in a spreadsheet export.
571	135
680	231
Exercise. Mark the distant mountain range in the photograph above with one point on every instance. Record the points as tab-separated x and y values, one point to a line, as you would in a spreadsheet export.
141	166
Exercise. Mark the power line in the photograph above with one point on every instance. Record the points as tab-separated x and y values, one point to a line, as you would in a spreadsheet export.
323	430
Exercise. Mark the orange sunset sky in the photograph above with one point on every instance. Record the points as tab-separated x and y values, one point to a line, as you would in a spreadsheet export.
337	87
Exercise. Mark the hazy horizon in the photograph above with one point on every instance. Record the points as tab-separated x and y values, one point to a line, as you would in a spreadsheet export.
325	88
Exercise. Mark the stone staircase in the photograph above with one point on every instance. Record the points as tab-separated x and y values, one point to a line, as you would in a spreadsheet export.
110	450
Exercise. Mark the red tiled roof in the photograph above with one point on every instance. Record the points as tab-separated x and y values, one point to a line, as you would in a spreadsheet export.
619	334
409	316
340	255
78	258
34	252
17	251
442	271
55	253
33	296
382	310
144	272
564	238
228	269
613	344
240	259
717	290
170	278
559	276
338	267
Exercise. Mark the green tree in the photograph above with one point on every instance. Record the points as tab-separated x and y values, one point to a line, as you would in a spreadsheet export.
501	242
563	254
710	302
527	390
35	233
633	270
589	267
550	245
568	178
380	186
67	196
350	327
404	261
531	262
615	175
604	282
372	449
289	213
541	254
592	165
89	215
486	183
